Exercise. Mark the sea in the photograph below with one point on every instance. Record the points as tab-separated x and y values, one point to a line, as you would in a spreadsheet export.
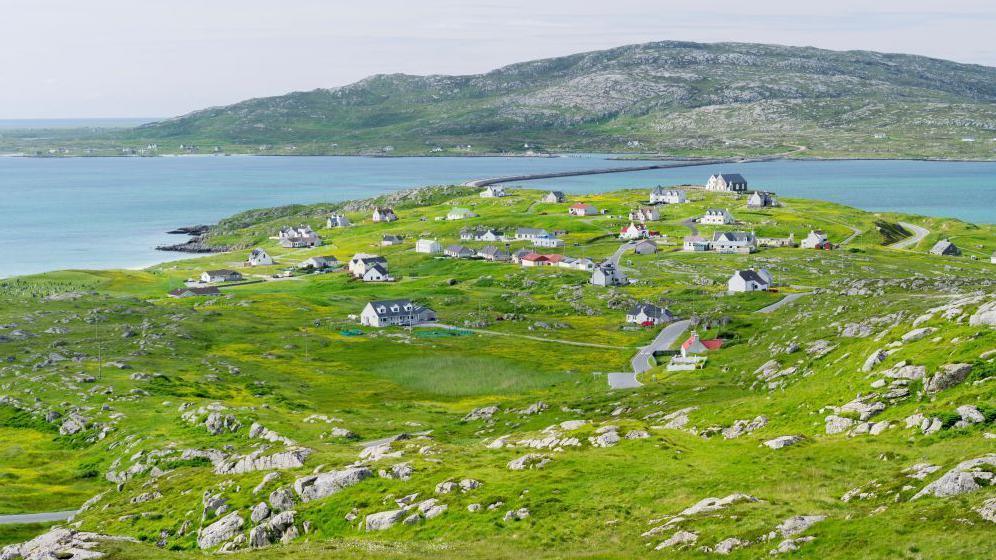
68	213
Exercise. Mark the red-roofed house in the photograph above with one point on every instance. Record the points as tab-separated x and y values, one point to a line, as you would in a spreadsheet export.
582	209
534	259
694	345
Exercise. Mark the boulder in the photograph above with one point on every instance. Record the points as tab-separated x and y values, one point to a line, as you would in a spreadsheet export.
947	376
58	543
797	524
727	546
257	461
984	315
281	499
679	539
319	486
220	531
988	510
874	359
970	414
967	476
259	512
741	427
528	461
73	424
482	413
383	520
917	334
782	441
838	424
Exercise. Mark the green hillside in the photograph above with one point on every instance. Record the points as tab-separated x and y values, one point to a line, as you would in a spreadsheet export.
179	417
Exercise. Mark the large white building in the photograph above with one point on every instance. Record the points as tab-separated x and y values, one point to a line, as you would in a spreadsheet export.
660	195
749	281
815	240
727	182
395	312
716	217
384	215
297	237
606	274
362	262
428	246
337	220
259	257
493	191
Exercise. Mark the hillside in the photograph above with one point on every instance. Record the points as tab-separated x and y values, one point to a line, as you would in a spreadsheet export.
667	97
265	418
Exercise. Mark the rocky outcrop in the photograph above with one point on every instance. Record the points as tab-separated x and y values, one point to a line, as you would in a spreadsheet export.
984	315
741	427
967	476
59	543
528	461
220	531
782	441
257	461
947	376
383	520
318	486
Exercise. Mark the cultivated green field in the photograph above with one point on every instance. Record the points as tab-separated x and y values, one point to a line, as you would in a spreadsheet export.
149	378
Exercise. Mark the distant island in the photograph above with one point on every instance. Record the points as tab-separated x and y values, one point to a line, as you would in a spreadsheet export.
672	99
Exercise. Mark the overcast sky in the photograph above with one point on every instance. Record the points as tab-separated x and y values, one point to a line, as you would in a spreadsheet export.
141	58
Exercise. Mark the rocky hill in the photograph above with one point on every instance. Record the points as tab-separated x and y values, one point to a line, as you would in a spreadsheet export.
670	97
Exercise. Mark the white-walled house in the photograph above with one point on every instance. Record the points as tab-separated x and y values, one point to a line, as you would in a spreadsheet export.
529	234
749	281
648	313
361	262
298	237
259	257
761	199
337	220
945	247
733	242
727	182
553	197
695	243
816	239
376	273
606	274
428	246
633	231
460	214
645	214
548	242
395	312
582	209
390	239
384	215
660	195
645	247
459	252
493	191
319	263
223	275
716	217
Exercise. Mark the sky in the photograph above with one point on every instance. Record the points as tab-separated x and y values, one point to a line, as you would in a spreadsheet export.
159	58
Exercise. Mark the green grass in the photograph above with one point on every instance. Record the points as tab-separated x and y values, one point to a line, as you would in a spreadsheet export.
462	376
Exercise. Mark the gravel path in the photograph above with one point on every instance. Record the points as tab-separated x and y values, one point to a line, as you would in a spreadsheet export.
784	301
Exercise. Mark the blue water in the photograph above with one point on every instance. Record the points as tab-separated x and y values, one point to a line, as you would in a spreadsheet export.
111	212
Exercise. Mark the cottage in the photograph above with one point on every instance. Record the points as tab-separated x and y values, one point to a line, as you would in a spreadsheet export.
648	314
529	234
645	214
694	345
390	239
361	262
493	253
319	263
582	209
534	259
459	252
384	215
259	257
298	237
490	234
661	195
716	217
493	191
376	273
761	199
727	182
395	312
194	292
645	247
223	275
553	197
606	274
337	220
517	256
733	242
945	247
633	231
695	243
749	281
815	240
777	241
572	263
429	246
548	242
460	214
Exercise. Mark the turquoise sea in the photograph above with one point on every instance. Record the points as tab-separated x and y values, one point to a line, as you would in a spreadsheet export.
111	212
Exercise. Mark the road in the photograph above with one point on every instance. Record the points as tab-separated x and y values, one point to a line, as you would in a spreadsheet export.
36	517
641	361
918	234
690	224
782	302
614	257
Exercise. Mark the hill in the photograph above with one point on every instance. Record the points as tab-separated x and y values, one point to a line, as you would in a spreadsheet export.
853	421
668	97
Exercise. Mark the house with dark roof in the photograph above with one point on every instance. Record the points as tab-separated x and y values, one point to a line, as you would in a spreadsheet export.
761	199
648	314
361	262
727	182
493	191
376	273
337	220
493	253
259	257
645	247
733	242
716	217
319	263
459	252
395	312
390	239
194	292
606	274
530	234
298	237
553	197
660	195
384	215
223	275
749	281
945	247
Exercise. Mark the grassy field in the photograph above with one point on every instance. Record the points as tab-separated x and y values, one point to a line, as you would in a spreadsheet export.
145	371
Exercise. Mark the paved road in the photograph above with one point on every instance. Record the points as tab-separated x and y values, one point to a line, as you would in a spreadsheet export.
614	258
641	361
36	517
918	234
784	301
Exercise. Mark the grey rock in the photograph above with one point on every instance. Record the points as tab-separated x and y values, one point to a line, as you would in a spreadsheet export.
383	520
220	531
281	499
949	375
837	424
319	486
970	414
967	476
679	539
259	512
782	441
529	461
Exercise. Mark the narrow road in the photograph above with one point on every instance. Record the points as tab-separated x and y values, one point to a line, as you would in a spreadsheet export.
36	517
614	258
782	302
690	224
526	336
641	361
918	234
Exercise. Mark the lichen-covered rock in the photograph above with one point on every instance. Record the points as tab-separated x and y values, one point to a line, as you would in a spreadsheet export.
988	510
679	539
947	376
383	520
258	461
220	531
741	427
58	543
782	441
837	424
321	485
967	476
528	461
984	315
482	413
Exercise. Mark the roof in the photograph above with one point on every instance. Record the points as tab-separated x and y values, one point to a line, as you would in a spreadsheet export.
556	193
529	230
257	252
732	177
221	272
321	259
370	259
376	268
715	211
650	310
534	257
391	237
738	236
554	258
395	307
581	205
207	291
750	276
694	239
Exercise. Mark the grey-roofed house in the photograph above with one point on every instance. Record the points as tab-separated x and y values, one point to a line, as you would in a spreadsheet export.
360	262
727	182
733	242
761	199
528	234
459	252
223	275
194	292
337	220
298	237
606	274
648	313
319	263
517	255
945	247
553	197
395	312
749	281
660	195
376	273
493	253
645	247
259	257
390	239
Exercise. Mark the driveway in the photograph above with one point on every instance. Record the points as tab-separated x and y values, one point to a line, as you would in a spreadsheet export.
784	301
918	234
614	258
641	361
36	517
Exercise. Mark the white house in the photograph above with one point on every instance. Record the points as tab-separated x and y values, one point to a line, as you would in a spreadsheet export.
493	191
633	231
645	214
395	312
660	195
376	273
297	237
493	253
695	243
223	275
727	182
733	242
553	197
459	252
319	263
582	209
572	263
548	242
384	215
337	220
429	246
749	281
606	274
361	262
460	214
648	314
390	239
716	217
945	247
529	234
992	258
761	199
259	257
645	247
815	239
